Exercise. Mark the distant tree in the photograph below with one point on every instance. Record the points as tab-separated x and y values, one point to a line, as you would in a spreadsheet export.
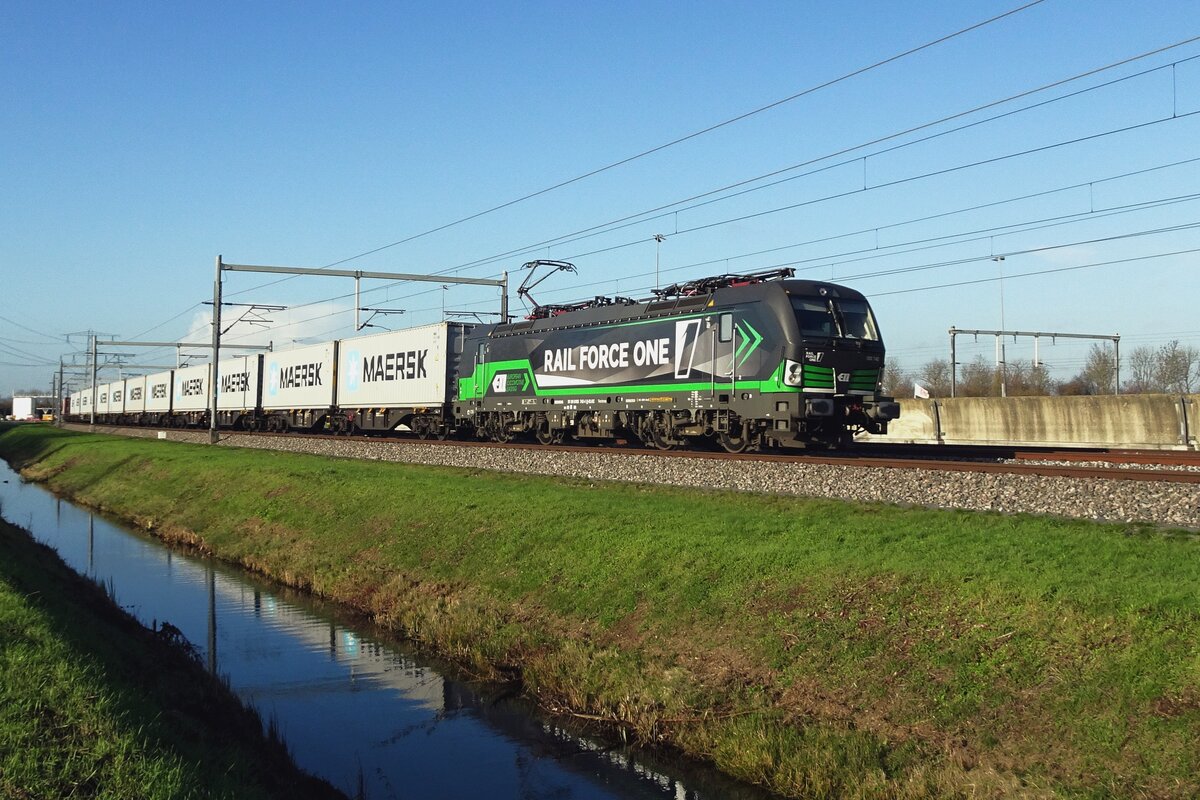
1178	368
935	377
896	382
1024	378
1171	368
1098	376
1075	386
978	378
1143	368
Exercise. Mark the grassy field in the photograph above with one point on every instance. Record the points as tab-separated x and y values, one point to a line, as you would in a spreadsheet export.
92	705
823	649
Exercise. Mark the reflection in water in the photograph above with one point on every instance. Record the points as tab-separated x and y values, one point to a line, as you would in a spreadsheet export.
212	620
352	706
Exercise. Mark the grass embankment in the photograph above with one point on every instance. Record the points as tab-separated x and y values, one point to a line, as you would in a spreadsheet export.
93	705
824	649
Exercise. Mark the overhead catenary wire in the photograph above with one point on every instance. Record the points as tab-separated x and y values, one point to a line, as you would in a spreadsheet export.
1047	271
897	182
670	208
975	109
52	337
824	259
928	266
894	183
629	244
659	148
889	184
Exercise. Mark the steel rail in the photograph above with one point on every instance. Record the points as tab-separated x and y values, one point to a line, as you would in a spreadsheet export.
850	459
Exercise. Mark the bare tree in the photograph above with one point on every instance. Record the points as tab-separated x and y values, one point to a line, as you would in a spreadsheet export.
1099	373
1178	367
935	377
1026	379
978	378
1171	368
896	382
1075	386
1143	368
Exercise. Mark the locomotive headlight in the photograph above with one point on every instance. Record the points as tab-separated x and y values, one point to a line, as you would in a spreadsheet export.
793	373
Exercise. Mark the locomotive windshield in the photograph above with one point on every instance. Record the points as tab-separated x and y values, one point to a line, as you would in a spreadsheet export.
827	317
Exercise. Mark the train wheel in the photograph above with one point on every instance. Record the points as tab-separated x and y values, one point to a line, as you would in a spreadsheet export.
547	435
733	444
497	429
738	443
661	443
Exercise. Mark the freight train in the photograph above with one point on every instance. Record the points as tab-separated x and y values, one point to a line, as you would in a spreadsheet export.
743	361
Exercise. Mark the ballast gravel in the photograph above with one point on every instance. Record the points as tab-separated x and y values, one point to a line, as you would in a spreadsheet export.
1170	504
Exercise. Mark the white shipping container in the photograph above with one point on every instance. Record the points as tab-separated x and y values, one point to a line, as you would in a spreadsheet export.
191	389
116	397
238	379
300	378
22	407
135	395
158	392
102	398
398	368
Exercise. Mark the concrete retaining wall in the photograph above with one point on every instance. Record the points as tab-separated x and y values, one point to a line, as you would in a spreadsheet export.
1149	421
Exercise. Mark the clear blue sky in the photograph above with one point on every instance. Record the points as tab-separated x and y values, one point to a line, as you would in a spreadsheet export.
139	140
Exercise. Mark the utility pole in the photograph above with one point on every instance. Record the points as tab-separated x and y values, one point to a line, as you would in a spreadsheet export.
216	355
92	404
58	416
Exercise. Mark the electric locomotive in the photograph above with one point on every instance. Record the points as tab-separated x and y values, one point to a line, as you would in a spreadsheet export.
747	361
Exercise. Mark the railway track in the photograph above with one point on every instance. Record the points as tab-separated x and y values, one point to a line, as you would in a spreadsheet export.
1000	480
1120	465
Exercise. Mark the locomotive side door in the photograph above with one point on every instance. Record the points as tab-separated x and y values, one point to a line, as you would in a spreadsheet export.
724	342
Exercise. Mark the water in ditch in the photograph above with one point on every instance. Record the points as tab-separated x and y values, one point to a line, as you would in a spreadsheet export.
354	708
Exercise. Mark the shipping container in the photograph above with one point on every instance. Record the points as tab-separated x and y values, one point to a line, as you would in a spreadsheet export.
240	384
102	400
22	408
411	367
299	379
192	393
399	380
135	396
116	400
158	393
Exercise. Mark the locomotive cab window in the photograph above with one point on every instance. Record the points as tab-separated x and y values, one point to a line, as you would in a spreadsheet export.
815	316
828	318
856	319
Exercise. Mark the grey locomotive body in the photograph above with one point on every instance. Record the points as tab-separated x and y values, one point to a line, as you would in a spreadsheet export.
747	361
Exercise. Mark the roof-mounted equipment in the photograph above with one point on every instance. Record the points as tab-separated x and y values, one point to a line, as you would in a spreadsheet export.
709	285
532	266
